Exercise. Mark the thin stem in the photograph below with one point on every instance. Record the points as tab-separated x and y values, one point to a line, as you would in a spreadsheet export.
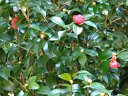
121	51
25	15
21	85
71	90
58	5
71	82
54	1
114	21
17	81
19	46
64	6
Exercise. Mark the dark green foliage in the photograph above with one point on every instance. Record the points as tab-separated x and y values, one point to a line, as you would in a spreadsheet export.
50	55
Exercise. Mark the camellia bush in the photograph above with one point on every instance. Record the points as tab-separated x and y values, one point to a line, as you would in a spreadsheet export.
63	47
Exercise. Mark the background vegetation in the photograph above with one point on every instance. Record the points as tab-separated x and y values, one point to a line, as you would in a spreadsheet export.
44	53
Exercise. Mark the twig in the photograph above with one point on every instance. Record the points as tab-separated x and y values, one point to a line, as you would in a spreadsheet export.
25	15
64	6
17	81
71	82
54	1
58	5
19	46
121	51
114	21
21	85
71	90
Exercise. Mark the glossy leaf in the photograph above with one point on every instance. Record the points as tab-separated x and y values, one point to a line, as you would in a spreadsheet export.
65	76
91	52
91	24
77	30
43	90
82	60
57	20
123	55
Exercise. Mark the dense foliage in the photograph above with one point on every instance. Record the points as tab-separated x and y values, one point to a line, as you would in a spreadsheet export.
63	47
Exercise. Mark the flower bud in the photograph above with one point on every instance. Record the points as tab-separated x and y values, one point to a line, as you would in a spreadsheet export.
105	12
71	81
64	10
10	94
89	81
25	85
82	50
93	3
42	35
10	18
102	94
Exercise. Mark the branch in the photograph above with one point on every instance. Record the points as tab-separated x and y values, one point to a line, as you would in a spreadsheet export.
121	51
19	46
25	15
58	5
113	21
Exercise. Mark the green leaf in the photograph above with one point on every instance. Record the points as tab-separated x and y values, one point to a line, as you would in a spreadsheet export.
97	85
82	60
6	84
5	73
2	55
21	93
72	35
35	26
84	75
57	20
57	94
32	83
61	33
75	88
57	91
42	11
105	66
87	16
51	79
76	54
65	76
104	55
91	52
77	30
44	90
54	38
33	86
105	78
121	41
121	12
1	1
100	87
95	93
123	55
91	24
32	79
12	51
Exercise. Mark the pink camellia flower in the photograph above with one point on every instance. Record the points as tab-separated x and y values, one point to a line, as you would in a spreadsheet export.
78	19
13	24
114	63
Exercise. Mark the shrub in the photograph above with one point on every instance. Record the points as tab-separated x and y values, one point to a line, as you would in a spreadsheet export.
63	47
